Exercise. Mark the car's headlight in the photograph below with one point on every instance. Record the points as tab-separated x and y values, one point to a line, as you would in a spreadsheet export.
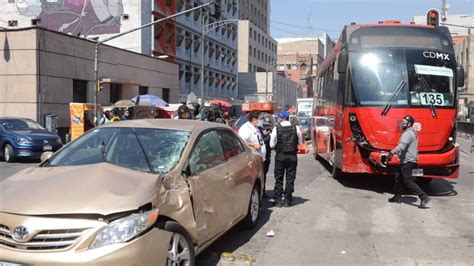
23	140
58	140
124	229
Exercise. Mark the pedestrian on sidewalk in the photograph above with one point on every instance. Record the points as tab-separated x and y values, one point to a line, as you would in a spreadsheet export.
252	136
407	150
285	139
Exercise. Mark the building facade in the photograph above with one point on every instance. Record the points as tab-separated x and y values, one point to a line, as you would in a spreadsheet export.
220	50
275	87
257	49
300	58
178	39
257	12
42	71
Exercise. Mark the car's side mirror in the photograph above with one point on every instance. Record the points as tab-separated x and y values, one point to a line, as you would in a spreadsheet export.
460	76
46	155
342	61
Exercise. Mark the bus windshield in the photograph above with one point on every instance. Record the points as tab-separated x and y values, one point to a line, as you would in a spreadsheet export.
429	76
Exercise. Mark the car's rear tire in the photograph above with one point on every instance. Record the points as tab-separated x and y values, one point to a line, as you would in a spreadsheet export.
8	153
181	248
253	211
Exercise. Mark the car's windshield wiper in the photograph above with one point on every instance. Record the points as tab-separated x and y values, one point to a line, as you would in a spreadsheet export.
426	88
389	103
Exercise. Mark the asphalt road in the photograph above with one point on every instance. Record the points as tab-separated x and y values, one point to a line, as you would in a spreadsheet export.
350	222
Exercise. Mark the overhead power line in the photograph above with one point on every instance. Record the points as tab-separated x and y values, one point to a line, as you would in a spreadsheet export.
301	27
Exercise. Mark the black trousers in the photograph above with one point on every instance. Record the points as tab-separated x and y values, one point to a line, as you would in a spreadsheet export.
266	167
285	164
405	178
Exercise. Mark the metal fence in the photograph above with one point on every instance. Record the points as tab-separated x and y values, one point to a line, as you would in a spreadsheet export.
466	128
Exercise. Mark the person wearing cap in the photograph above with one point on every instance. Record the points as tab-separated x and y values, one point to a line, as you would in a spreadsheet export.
407	151
285	139
183	112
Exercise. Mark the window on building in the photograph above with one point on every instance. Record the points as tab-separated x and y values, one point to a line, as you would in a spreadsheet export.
166	95
115	92
250	51
250	32
79	91
250	68
142	90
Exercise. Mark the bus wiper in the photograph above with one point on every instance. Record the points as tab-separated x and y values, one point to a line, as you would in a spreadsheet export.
426	88
389	103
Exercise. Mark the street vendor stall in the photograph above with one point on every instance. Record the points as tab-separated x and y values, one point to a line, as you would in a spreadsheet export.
81	117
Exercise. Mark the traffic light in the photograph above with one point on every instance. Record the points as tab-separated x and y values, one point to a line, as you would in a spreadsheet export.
217	9
432	17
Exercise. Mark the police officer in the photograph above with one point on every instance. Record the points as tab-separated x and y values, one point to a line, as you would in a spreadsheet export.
407	151
285	139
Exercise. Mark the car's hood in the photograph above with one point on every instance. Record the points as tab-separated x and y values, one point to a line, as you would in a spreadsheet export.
37	134
91	189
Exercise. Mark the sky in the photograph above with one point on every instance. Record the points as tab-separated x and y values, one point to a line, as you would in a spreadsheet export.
289	18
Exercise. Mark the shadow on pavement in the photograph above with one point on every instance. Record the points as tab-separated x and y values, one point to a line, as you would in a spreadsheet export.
385	183
234	238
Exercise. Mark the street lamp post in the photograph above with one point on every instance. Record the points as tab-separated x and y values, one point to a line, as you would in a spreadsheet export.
98	43
205	29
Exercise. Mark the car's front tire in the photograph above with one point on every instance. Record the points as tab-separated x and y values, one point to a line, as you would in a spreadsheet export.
8	153
253	211
181	248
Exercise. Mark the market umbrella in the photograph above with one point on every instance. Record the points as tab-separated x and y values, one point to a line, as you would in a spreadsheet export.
149	100
124	103
221	103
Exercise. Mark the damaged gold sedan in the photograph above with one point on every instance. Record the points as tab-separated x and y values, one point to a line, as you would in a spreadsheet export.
142	192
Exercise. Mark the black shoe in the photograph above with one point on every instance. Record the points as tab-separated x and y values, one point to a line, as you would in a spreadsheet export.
264	195
277	203
287	203
396	199
424	202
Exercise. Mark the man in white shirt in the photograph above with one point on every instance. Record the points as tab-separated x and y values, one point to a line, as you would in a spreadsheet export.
251	134
285	139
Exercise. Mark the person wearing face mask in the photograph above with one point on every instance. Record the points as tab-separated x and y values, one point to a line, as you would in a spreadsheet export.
407	151
251	135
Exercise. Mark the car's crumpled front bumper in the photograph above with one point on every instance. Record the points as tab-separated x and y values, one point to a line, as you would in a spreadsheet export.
148	249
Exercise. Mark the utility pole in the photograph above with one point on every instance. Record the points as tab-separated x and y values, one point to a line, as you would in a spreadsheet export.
444	10
98	43
468	56
203	35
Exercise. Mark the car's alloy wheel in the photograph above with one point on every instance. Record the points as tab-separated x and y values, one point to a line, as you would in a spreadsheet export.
253	209
178	251
254	205
8	154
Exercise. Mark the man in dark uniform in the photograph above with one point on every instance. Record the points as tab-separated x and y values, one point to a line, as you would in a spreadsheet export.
285	139
407	150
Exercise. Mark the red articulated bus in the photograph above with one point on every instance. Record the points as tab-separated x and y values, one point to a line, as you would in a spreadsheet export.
375	75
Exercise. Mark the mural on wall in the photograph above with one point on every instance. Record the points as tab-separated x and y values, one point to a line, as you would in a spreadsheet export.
78	17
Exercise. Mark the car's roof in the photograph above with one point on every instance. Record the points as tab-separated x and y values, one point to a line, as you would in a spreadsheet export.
176	124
